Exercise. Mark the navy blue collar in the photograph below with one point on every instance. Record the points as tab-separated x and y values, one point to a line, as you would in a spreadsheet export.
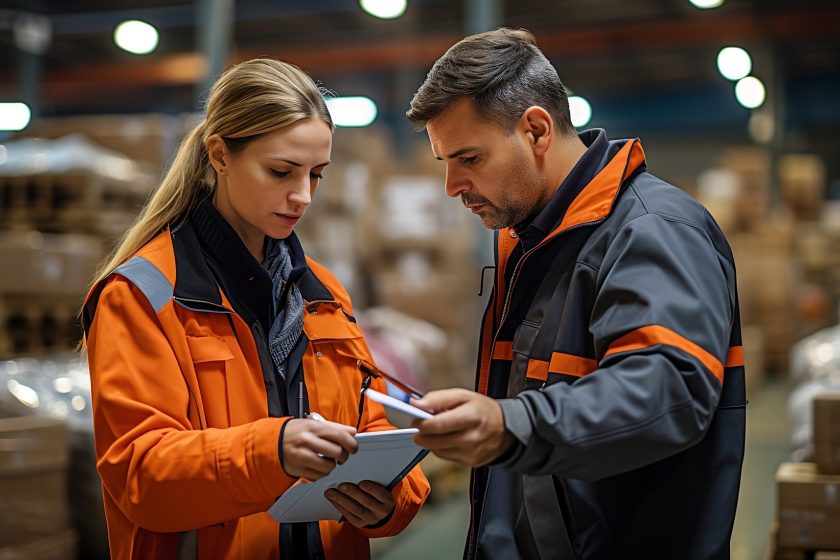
206	235
534	229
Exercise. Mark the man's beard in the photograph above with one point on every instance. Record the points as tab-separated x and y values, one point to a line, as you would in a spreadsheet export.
509	211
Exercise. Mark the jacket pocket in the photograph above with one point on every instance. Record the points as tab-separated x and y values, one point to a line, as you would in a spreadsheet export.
523	344
208	349
330	329
331	367
210	356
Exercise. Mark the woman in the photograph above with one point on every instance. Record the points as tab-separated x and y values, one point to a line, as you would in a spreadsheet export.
211	336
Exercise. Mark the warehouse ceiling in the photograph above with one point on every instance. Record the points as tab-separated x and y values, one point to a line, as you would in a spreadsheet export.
654	59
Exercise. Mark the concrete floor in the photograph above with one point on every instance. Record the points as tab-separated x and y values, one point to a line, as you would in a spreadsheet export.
439	529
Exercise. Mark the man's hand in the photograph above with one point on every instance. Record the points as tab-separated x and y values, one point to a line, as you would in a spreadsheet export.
364	504
311	449
468	427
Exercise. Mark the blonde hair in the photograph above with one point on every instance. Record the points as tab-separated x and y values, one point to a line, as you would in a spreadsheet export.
248	100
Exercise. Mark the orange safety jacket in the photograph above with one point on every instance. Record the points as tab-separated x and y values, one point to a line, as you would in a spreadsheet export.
184	441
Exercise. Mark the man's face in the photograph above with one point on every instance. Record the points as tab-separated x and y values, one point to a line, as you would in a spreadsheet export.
493	172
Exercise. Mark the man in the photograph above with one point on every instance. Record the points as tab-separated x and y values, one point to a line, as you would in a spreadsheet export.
608	417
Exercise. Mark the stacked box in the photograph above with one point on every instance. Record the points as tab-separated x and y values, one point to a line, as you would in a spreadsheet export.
47	264
802	184
32	326
767	280
827	433
78	201
33	462
754	369
752	167
151	138
808	508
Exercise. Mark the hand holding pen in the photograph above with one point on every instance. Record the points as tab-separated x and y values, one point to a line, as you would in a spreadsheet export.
363	504
312	449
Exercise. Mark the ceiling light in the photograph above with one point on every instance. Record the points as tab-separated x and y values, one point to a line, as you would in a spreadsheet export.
750	92
352	111
580	110
734	63
706	4
14	116
136	37
384	9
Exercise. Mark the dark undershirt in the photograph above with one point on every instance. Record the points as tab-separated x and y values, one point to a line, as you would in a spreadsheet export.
244	281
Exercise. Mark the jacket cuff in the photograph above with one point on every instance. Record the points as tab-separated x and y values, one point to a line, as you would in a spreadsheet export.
518	423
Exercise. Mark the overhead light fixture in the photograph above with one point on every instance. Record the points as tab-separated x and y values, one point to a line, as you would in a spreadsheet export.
581	111
136	37
14	116
355	111
750	92
384	9
706	4
734	63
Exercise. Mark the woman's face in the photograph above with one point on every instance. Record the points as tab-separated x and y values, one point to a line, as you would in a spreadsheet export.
266	188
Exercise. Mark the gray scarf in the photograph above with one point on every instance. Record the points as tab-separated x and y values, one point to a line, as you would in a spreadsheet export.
286	321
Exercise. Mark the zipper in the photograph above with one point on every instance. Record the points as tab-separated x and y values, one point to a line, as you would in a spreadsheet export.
278	385
502	317
471	540
516	269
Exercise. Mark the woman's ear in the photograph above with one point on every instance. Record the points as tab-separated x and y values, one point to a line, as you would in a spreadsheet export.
217	153
539	128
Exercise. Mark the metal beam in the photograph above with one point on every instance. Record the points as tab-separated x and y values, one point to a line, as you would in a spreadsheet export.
83	83
215	30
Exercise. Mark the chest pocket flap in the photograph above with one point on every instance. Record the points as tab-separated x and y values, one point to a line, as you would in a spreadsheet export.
327	321
208	349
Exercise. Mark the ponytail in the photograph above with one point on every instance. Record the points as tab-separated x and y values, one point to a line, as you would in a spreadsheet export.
187	179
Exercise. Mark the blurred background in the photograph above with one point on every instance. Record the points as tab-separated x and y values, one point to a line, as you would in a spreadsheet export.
735	101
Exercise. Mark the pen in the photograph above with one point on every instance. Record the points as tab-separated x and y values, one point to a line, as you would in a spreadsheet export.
300	399
318	418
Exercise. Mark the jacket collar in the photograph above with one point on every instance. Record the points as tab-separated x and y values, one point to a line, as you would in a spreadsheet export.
195	282
545	220
594	200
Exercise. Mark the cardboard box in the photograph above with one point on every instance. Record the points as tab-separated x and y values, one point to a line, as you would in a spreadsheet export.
38	264
802	180
827	433
59	546
754	352
34	454
808	508
752	167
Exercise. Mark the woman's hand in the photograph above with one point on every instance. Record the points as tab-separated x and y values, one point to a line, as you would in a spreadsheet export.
364	504
311	449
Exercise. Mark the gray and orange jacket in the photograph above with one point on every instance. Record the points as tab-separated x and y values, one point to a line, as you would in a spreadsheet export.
614	347
186	430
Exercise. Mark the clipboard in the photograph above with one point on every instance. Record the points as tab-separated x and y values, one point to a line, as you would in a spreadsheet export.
383	457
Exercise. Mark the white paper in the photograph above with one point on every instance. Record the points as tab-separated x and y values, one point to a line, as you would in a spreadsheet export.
391	402
382	457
